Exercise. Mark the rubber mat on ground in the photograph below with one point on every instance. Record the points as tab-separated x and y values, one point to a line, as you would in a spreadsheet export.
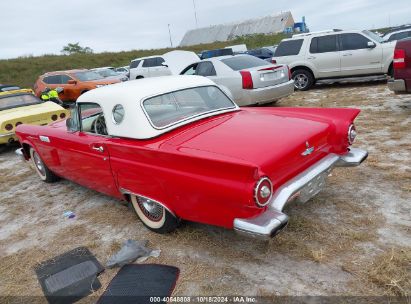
137	283
69	277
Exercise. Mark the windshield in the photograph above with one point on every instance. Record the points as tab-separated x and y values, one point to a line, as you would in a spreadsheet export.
238	63
88	76
14	101
107	73
373	36
171	108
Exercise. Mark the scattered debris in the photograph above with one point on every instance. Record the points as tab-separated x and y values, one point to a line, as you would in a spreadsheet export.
131	251
69	214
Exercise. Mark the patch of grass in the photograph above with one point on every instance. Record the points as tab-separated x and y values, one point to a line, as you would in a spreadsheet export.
389	271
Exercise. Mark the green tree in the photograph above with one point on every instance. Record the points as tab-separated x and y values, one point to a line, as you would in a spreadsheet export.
75	48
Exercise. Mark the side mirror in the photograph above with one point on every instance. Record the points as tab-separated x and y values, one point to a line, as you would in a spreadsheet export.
371	45
164	64
72	81
69	124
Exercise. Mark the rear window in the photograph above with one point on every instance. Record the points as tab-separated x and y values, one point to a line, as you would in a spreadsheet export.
289	48
238	63
15	101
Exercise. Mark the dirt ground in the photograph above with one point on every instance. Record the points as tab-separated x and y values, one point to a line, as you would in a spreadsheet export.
354	238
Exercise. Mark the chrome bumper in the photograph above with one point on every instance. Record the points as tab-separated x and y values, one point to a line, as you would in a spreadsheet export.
20	154
302	187
7	134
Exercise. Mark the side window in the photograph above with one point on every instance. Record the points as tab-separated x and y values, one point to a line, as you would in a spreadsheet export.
54	79
289	48
324	44
150	62
65	79
400	36
353	41
160	61
205	68
92	118
190	70
134	64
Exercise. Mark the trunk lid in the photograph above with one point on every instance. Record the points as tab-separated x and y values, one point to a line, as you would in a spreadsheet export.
270	75
274	143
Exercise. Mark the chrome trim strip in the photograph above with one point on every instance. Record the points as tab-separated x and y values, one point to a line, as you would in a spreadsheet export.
256	191
125	191
7	134
273	220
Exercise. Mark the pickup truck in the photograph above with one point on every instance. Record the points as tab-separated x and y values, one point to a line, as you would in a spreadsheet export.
401	82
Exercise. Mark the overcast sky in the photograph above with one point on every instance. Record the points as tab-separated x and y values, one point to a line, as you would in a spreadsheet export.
39	27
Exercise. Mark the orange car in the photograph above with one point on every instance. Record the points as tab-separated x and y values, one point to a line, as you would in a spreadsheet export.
74	83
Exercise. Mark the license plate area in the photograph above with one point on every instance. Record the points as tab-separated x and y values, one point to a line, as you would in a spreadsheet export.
311	189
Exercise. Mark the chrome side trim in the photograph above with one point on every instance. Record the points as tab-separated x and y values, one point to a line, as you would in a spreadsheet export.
273	220
125	191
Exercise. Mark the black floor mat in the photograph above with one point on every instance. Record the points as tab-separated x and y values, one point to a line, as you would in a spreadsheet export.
137	283
69	277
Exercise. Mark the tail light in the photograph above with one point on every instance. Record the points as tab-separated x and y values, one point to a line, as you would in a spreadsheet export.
63	115
352	133
273	61
18	123
9	127
247	80
54	117
289	73
263	192
399	59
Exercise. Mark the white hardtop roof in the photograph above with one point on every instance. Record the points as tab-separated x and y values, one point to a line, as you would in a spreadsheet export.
130	95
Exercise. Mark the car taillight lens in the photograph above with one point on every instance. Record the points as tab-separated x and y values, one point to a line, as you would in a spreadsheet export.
63	115
263	192
399	59
54	117
9	127
247	80
273	61
352	133
289	73
18	123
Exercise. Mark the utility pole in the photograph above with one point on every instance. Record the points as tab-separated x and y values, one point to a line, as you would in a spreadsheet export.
195	13
169	33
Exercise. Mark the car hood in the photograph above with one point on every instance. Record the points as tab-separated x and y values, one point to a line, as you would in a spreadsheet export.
27	111
256	137
177	61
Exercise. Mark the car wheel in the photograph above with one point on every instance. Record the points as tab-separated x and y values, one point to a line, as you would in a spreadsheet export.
303	79
153	215
43	172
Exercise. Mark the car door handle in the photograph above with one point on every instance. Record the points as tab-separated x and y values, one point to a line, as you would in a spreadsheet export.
99	149
349	54
311	57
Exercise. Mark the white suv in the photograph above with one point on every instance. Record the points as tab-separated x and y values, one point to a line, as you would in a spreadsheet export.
334	54
145	67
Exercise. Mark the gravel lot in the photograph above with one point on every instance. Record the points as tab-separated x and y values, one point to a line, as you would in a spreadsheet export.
352	239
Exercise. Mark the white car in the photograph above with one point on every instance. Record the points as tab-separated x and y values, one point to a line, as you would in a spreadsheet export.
248	79
109	73
398	34
334	54
170	63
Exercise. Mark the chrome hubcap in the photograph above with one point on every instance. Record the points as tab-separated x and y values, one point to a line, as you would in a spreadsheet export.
39	164
151	209
300	81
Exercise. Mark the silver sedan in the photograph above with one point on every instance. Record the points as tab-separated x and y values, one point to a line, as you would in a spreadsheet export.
250	80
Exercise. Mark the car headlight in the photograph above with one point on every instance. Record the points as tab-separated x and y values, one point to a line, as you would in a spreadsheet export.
263	191
352	133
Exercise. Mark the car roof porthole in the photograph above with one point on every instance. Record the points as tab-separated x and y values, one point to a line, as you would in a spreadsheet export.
118	114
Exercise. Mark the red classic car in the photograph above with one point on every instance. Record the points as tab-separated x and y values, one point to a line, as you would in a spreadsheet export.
178	147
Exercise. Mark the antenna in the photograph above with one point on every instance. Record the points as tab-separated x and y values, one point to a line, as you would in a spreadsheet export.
169	33
195	13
